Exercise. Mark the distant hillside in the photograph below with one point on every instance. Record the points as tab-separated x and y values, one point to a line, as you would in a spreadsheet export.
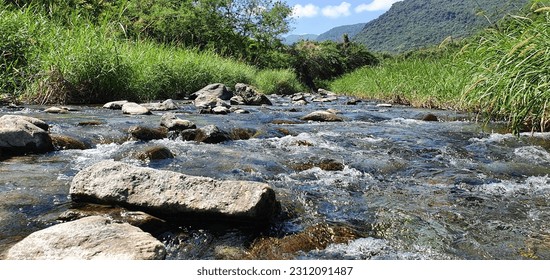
336	33
291	39
412	24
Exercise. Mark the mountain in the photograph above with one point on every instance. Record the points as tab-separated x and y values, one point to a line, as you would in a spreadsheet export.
291	39
412	24
336	33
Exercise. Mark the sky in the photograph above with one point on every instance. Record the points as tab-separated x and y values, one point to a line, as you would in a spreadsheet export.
319	16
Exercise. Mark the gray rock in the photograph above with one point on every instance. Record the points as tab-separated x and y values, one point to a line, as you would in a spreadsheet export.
250	95
173	194
21	135
38	122
212	95
173	123
300	102
56	110
220	110
115	105
209	134
138	219
430	118
166	105
132	108
322	116
241	111
89	238
237	100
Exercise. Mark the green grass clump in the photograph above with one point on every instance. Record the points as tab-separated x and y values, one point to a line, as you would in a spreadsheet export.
512	74
45	61
432	81
282	82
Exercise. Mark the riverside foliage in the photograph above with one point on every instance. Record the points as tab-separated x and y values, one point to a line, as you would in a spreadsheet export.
53	54
502	74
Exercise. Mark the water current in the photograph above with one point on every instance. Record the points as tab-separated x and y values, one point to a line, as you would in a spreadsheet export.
406	188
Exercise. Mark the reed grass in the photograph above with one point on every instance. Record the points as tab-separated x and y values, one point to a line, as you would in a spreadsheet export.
85	62
512	78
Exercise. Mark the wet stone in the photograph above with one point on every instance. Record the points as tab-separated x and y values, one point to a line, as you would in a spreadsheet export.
64	142
89	238
155	153
148	134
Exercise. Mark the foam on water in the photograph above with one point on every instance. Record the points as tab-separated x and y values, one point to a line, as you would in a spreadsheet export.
533	153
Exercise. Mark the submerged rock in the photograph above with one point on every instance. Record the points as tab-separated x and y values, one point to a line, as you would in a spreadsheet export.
22	135
325	164
89	238
147	133
64	142
430	118
209	134
56	110
90	123
322	116
131	108
317	237
174	194
155	153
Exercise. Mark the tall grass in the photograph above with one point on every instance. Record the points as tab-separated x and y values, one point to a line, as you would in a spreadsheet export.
278	81
512	78
501	74
86	62
421	81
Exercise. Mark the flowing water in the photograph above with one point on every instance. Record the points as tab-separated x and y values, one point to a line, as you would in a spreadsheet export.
407	188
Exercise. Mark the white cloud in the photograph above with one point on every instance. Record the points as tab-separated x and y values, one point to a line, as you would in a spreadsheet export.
376	5
308	10
337	11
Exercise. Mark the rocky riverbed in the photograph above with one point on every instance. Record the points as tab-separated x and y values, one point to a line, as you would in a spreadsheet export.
231	175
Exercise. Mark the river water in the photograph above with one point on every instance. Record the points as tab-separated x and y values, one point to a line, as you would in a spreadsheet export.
408	189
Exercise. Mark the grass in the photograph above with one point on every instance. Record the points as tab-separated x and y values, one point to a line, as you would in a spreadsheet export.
419	81
512	77
46	62
502	74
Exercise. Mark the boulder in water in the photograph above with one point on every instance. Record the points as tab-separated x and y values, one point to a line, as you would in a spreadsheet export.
250	95
22	135
155	153
212	95
131	108
64	142
89	238
173	194
322	116
115	105
173	123
147	134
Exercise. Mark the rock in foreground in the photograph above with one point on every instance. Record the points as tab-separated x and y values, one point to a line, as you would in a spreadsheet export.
173	194
89	238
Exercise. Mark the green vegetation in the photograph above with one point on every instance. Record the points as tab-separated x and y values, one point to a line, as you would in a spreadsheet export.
512	72
72	57
502	74
315	62
430	79
414	24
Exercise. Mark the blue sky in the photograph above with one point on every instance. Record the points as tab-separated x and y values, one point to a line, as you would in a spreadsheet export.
316	17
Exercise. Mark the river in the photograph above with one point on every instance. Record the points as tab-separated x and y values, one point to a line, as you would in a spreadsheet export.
407	188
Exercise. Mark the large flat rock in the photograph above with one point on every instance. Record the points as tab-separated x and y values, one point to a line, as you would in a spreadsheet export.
174	194
92	237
